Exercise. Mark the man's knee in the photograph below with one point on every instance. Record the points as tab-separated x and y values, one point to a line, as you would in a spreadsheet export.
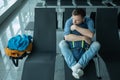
96	45
62	44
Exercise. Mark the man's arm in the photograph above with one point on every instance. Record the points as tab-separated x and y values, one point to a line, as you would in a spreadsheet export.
72	37
83	31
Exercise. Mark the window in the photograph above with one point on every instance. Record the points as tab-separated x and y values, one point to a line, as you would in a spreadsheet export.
5	5
20	32
1	4
8	32
4	40
16	25
27	17
11	1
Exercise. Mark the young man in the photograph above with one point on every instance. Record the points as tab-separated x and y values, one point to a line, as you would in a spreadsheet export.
78	48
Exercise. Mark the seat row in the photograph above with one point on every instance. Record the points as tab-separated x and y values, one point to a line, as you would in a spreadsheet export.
82	2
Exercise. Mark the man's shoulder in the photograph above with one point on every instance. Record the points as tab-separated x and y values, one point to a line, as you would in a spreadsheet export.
69	19
87	18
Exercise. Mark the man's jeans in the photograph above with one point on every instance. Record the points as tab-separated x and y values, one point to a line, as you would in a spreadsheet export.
85	57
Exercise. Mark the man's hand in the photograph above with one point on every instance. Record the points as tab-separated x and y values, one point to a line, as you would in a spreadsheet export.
87	39
73	27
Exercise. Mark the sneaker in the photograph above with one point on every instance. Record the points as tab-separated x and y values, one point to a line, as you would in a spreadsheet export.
75	75
78	73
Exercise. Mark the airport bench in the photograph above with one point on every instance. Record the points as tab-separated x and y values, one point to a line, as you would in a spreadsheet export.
107	35
81	3
30	26
66	2
118	22
96	2
117	2
40	64
51	2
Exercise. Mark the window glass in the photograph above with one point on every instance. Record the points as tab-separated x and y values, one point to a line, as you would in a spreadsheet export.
1	4
16	25
8	32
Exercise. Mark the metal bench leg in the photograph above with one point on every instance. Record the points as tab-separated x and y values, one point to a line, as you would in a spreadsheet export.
97	66
15	61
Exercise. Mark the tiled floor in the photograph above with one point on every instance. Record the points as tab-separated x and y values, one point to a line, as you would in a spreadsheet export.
2	68
15	72
13	26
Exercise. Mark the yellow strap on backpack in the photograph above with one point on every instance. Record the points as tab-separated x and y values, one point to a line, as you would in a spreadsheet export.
82	45
73	43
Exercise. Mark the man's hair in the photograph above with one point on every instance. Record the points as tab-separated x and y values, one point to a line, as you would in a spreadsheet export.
79	11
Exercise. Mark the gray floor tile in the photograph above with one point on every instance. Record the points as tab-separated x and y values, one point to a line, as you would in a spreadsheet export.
59	68
2	68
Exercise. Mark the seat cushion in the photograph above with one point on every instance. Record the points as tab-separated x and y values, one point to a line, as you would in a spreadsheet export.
39	66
